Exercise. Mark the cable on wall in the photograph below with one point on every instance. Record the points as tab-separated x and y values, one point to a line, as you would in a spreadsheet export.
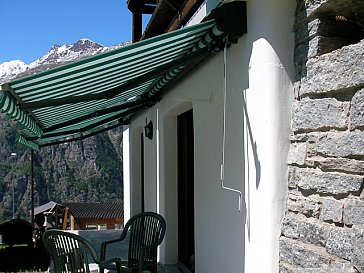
222	169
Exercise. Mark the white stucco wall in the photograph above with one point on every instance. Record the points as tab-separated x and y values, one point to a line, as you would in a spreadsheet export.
259	94
270	88
126	175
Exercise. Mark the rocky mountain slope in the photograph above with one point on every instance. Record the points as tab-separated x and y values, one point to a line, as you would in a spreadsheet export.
57	55
81	171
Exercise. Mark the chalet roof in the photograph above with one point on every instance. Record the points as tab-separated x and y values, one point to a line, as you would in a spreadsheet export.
96	210
46	207
166	19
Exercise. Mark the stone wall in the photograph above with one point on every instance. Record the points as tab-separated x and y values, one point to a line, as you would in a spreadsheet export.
323	228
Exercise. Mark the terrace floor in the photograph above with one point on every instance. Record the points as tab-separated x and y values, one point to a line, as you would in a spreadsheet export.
168	269
36	258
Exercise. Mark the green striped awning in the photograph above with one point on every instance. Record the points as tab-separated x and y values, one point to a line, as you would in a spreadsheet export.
98	93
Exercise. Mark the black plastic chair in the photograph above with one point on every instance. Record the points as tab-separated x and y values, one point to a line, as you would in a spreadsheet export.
146	232
72	253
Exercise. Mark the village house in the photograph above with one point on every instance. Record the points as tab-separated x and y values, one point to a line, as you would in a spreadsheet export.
79	216
256	158
245	129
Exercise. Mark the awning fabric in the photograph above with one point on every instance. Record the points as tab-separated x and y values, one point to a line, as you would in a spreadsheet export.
98	93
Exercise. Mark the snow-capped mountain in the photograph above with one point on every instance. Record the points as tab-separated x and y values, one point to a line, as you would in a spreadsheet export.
57	55
66	53
11	69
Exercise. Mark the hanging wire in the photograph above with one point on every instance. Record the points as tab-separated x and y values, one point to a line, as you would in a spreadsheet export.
222	170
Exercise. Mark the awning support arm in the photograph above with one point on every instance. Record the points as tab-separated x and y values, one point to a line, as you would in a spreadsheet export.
83	136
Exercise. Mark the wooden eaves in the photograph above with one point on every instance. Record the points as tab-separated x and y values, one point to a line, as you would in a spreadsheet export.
167	15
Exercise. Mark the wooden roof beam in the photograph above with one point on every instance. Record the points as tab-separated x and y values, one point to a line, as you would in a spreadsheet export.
188	8
138	8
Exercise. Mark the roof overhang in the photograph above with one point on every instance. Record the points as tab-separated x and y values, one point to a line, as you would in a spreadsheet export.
167	13
96	94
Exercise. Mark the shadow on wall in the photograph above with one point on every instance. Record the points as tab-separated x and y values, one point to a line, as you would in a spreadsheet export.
269	27
269	31
252	142
250	139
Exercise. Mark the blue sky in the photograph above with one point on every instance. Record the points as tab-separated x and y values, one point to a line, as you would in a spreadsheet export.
30	27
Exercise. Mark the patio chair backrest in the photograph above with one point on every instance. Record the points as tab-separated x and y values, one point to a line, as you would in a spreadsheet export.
69	252
146	233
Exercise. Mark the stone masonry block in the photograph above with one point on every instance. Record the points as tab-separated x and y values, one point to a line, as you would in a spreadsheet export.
302	255
313	232
308	230
343	7
341	242
353	212
297	153
305	205
341	267
356	118
334	268
339	70
323	35
325	182
341	144
284	268
290	227
316	27
320	45
332	210
319	113
340	164
358	254
328	26
310	137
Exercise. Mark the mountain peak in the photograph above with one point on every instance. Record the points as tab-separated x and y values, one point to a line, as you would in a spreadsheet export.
85	41
12	68
60	54
85	44
57	55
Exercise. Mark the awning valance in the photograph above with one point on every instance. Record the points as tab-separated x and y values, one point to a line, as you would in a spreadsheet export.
97	93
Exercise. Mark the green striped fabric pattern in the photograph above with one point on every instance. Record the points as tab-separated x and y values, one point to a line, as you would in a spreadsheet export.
66	101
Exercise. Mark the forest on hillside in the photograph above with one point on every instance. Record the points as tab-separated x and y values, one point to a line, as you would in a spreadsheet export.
82	171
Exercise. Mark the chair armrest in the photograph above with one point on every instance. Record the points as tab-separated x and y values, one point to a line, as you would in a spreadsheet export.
117	261
104	244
